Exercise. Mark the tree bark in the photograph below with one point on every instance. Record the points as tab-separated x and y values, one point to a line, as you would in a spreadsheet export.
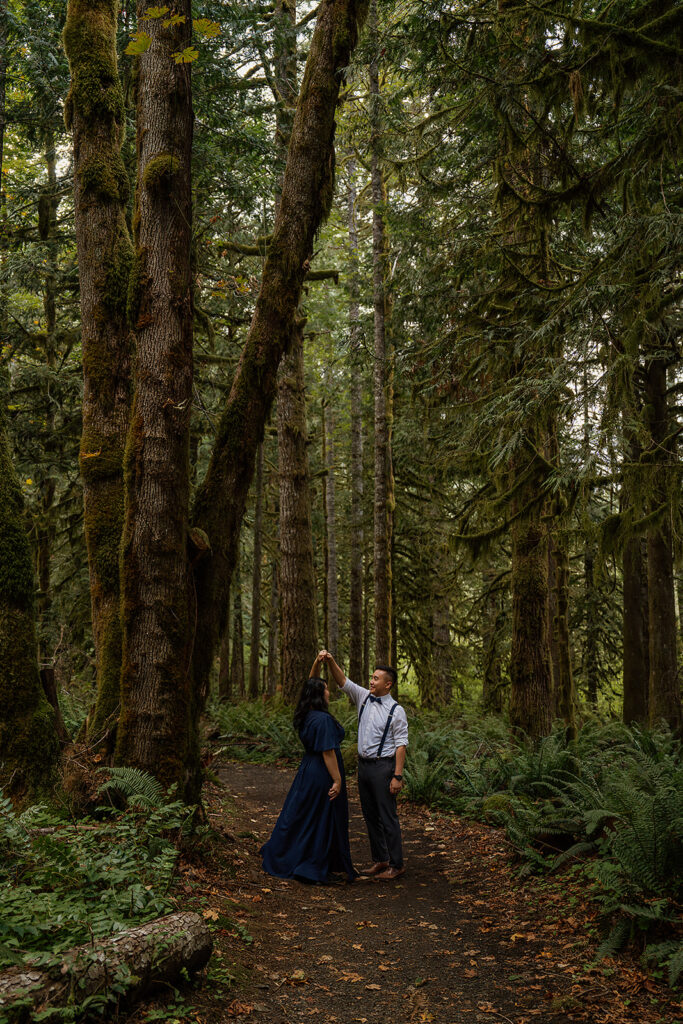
254	658
382	543
330	510
157	726
664	691
306	199
48	206
272	672
29	747
356	403
493	621
224	683
635	631
530	673
95	112
298	611
565	691
150	955
237	658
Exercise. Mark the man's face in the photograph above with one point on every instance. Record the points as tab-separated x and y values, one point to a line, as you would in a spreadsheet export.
380	684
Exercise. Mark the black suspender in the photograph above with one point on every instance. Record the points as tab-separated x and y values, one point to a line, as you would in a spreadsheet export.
386	727
386	730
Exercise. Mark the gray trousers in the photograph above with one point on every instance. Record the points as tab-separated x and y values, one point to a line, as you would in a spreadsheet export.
379	809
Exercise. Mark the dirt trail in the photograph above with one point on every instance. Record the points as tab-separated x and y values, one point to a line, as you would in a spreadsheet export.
457	939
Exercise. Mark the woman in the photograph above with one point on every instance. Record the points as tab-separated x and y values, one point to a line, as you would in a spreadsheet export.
311	837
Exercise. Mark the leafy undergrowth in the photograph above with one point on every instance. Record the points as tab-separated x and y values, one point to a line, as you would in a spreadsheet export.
605	808
64	883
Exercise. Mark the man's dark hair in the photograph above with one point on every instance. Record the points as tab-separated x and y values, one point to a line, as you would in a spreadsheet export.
391	672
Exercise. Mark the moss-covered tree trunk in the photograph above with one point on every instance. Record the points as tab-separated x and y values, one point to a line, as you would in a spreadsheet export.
565	690
29	747
492	623
330	515
356	420
665	688
272	667
95	111
306	197
224	682
157	724
382	538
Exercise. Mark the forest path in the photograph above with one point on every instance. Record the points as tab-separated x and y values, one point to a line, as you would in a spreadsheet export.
457	939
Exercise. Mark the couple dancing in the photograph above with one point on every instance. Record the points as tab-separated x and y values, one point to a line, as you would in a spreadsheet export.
311	838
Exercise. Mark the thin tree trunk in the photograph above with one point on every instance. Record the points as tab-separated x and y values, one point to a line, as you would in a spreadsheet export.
635	631
441	689
95	111
356	403
157	727
590	653
29	747
272	670
326	550
330	508
382	566
306	199
237	659
366	622
493	621
565	700
224	681
254	659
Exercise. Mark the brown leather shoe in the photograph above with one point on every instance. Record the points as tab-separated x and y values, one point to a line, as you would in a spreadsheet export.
390	874
375	869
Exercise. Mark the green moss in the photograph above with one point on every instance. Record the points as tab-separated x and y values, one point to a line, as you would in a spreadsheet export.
16	567
118	268
105	177
160	172
89	40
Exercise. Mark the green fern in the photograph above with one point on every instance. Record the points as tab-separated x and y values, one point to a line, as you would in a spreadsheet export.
136	786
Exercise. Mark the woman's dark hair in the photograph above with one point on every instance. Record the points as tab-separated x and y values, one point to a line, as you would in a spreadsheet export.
312	699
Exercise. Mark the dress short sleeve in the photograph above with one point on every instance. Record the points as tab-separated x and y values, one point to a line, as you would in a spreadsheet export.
320	732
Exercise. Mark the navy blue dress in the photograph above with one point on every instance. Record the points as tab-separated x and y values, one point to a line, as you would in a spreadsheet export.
311	837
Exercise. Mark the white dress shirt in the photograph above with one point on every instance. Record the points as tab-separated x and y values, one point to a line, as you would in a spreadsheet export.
374	719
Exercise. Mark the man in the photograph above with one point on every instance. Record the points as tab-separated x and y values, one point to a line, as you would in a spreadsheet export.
382	742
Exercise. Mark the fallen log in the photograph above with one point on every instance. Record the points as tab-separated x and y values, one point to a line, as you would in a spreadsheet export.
125	965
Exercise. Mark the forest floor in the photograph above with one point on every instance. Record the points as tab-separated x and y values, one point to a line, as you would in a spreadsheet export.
459	939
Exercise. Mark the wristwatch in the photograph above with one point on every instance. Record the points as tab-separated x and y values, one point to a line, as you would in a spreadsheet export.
399	778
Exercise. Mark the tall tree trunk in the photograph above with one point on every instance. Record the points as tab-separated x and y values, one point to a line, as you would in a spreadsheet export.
330	509
237	659
565	690
441	689
157	729
635	631
356	403
326	550
224	681
530	673
590	653
272	667
47	224
298	612
29	747
664	690
254	658
493	620
306	199
95	111
366	622
382	544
